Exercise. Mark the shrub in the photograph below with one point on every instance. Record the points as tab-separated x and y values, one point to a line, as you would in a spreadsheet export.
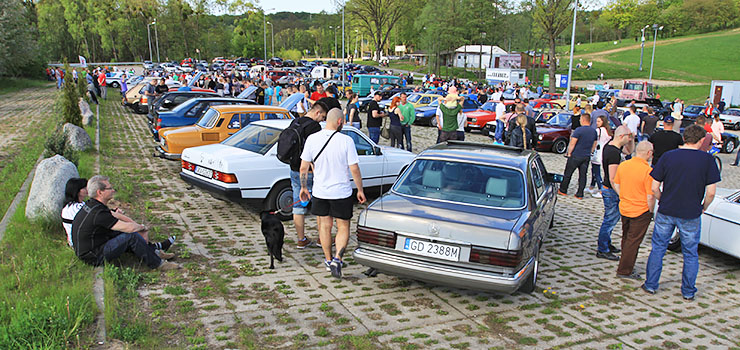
57	143
70	108
82	85
294	55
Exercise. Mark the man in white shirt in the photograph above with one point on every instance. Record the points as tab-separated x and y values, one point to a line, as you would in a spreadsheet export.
333	156
496	95
500	126
632	121
595	98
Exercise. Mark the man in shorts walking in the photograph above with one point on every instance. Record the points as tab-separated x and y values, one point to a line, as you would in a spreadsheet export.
333	157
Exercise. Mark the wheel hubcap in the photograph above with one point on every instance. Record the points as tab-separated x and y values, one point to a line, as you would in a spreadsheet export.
284	201
674	237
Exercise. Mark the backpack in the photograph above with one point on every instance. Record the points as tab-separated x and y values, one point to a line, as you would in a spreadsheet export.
292	139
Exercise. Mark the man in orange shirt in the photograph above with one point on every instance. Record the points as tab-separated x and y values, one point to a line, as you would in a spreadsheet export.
636	204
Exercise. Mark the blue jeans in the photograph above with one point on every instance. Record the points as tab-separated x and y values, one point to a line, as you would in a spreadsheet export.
596	175
357	125
374	133
690	232
407	137
737	159
611	217
499	133
134	243
295	184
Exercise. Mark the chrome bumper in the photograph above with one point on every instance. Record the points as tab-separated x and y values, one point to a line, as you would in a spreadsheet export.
161	153
436	274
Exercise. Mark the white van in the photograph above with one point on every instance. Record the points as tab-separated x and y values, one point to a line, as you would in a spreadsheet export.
321	72
257	70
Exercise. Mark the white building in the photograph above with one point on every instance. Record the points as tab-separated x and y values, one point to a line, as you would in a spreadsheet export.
470	56
729	90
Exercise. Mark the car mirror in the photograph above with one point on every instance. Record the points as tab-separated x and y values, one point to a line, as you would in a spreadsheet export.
557	178
376	150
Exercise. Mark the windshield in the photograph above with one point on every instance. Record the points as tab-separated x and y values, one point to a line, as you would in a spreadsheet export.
633	86
254	138
413	98
562	120
209	119
434	103
464	183
693	109
488	106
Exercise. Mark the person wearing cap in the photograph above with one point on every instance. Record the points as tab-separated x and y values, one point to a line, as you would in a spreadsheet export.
665	140
375	117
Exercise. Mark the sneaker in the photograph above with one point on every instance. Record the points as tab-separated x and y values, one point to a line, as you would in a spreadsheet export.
607	256
336	268
304	243
318	242
577	197
614	249
327	264
591	190
691	298
596	194
633	276
164	255
646	289
167	266
562	193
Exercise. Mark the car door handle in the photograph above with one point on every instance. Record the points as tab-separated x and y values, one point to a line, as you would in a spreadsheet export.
231	133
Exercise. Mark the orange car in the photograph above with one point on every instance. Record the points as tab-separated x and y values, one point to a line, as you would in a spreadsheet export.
217	124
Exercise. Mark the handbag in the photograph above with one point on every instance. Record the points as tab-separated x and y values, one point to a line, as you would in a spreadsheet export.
385	132
596	155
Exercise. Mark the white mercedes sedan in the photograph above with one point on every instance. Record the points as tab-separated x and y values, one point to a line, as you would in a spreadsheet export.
244	168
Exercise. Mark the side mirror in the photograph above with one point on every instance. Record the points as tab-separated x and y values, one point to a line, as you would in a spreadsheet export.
377	151
557	178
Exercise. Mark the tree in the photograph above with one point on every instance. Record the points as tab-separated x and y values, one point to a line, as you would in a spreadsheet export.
69	100
552	17
377	17
19	54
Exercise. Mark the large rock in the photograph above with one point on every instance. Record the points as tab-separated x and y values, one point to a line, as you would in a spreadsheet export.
46	197
87	114
77	137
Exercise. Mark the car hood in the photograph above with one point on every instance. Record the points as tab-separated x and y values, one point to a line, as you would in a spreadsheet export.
479	113
476	225
724	192
548	129
219	157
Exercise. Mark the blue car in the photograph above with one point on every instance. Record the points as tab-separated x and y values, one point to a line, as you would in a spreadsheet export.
190	111
425	115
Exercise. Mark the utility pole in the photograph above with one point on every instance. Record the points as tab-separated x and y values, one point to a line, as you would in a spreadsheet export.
570	64
149	36
344	53
642	45
655	38
156	37
264	31
272	36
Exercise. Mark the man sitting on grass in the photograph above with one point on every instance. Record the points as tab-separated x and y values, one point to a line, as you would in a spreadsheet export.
101	235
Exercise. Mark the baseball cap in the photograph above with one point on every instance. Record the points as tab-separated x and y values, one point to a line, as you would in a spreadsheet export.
669	119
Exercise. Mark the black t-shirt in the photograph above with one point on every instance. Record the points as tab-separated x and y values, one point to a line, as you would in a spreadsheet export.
260	93
307	126
91	229
373	122
664	141
162	89
610	155
356	115
650	122
212	84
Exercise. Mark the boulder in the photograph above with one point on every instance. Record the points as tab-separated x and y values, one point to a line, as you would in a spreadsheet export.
46	197
77	137
87	114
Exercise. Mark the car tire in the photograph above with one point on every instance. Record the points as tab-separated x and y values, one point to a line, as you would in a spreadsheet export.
729	145
674	244
115	85
737	126
530	283
281	196
560	146
433	122
467	129
484	131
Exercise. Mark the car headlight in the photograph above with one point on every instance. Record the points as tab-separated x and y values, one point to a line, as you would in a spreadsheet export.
420	114
539	137
473	120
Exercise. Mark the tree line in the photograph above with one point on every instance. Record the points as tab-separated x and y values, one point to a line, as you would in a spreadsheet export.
34	32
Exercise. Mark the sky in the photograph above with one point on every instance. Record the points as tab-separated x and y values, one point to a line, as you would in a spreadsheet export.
313	6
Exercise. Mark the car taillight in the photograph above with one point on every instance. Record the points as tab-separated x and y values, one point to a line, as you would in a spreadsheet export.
187	165
144	100
224	177
498	257
159	123
378	237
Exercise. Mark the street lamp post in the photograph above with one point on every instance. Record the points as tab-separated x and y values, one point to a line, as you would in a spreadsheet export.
570	64
149	36
156	37
344	52
264	31
272	37
655	38
335	40
642	46
357	38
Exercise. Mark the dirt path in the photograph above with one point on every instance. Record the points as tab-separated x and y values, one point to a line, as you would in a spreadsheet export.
21	113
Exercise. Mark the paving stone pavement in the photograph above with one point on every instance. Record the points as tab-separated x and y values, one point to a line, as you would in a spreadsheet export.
228	295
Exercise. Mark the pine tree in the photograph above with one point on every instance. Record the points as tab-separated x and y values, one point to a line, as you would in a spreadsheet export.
70	99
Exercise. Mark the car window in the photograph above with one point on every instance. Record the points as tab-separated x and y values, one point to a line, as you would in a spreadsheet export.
464	183
364	148
209	119
537	179
235	122
254	138
275	116
195	111
180	99
469	104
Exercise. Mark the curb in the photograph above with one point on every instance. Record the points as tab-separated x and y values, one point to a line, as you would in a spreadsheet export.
18	197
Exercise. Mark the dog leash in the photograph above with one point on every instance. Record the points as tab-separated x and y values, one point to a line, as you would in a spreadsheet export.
281	209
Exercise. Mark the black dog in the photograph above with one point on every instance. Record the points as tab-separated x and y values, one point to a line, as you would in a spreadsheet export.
274	233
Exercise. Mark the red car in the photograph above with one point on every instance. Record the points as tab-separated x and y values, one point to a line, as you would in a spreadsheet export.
276	74
478	118
544	104
188	62
555	134
549	96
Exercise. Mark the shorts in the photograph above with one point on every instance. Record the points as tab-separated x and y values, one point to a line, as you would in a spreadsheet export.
336	208
295	184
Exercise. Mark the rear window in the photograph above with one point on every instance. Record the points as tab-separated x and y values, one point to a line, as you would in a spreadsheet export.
464	183
254	138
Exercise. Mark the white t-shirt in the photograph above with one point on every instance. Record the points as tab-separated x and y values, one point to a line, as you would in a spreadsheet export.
68	214
500	110
496	96
632	122
461	121
331	178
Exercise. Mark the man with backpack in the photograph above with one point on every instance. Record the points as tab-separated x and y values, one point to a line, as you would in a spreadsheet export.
290	147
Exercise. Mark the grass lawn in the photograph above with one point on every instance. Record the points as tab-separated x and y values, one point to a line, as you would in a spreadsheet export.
584	48
8	85
691	94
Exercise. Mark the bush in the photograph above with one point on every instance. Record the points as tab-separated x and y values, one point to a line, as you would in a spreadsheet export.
82	85
69	104
57	143
294	55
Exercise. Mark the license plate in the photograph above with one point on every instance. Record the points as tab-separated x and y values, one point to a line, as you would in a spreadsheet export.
431	249
204	172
